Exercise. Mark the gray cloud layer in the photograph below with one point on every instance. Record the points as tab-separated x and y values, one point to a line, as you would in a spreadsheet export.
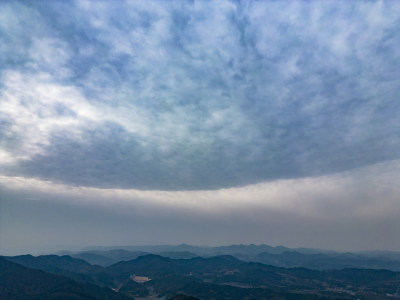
346	211
196	94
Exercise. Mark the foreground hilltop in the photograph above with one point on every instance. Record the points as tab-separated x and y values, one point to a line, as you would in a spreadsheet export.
18	282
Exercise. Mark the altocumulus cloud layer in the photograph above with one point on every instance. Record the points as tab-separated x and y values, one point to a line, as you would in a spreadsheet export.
210	105
197	95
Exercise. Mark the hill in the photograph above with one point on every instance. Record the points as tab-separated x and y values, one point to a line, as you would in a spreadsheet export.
229	273
76	269
223	277
279	256
18	282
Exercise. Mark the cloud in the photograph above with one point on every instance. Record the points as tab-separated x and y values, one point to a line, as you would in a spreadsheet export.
367	192
199	121
351	210
196	95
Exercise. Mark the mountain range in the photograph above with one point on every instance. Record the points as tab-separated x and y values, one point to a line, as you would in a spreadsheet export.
210	277
279	256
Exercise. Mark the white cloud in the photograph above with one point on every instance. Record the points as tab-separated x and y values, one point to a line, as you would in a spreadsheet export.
264	83
30	102
6	157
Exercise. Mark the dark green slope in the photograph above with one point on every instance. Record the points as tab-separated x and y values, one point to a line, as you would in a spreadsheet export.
223	272
225	292
133	289
320	261
18	282
183	297
153	266
175	285
95	259
277	256
54	263
76	269
106	258
224	277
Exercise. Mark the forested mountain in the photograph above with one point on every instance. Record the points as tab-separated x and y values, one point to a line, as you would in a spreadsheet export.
77	269
279	256
320	261
223	277
18	282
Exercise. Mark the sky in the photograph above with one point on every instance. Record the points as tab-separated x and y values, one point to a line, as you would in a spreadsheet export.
200	122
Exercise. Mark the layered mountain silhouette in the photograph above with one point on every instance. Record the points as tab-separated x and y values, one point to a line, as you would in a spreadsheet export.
216	277
279	256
